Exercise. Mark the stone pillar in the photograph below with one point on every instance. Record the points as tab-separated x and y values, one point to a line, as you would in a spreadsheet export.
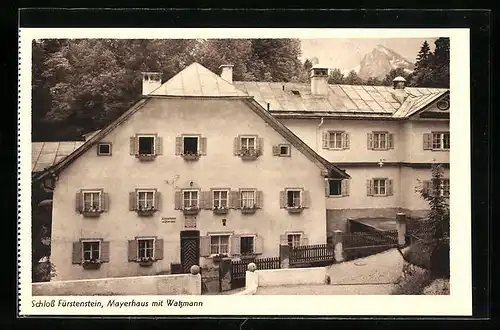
194	282
285	256
401	227
251	279
338	250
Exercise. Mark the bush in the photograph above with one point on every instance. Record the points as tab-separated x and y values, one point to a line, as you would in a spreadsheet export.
44	272
413	281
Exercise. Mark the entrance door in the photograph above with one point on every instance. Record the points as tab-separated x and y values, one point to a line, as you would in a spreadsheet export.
190	249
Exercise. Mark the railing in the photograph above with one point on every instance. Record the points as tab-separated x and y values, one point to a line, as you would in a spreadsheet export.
239	268
311	254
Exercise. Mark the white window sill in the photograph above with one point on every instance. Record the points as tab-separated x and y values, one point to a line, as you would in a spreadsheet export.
336	196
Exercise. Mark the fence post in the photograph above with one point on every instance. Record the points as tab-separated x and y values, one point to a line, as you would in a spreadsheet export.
285	256
401	227
338	249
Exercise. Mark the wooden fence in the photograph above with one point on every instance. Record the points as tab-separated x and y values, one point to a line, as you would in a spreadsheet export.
311	255
239	268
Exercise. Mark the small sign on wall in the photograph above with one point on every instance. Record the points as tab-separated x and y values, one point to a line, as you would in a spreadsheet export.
168	220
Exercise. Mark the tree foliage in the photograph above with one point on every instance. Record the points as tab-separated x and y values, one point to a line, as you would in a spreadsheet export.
80	85
398	72
336	77
433	69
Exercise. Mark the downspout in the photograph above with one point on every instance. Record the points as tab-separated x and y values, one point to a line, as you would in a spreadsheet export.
318	136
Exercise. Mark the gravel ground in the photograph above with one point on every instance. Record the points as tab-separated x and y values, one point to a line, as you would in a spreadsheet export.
323	289
381	268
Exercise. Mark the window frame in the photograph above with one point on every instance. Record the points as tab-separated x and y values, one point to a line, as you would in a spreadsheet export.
213	191
386	140
138	239
198	143
301	197
228	253
376	192
254	198
139	136
198	192
340	187
287	146
299	234
92	191
254	137
253	236
342	139
442	135
138	191
83	241
99	153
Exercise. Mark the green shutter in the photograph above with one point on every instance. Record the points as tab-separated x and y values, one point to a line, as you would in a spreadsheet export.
389	187
133	145
158	200
159	145
203	146
79	202
369	137
105	251
178	200
325	140
104	202
178	145
258	245
76	256
234	199
390	141
236	146
427	141
259	198
132	201
158	249
345	187
260	145
276	150
346	140
132	250
306	199
282	199
235	244
304	240
369	187
205	246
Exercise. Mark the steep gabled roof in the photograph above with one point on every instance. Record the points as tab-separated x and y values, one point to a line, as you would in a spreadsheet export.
196	80
47	154
414	104
200	74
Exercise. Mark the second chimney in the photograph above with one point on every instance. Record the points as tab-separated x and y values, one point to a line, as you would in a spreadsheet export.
227	72
399	92
151	81
319	81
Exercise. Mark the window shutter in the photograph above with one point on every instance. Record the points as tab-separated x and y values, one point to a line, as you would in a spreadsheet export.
346	141
204	246
178	200
235	244
76	256
234	199
427	141
389	187
325	140
276	150
345	187
236	146
132	201
369	187
260	145
327	187
206	200
390	141
105	202
157	200
282	199
427	187
133	145
259	198
203	146
370	141
159	249
132	250
159	145
79	202
304	240
258	245
306	199
178	145
105	251
283	240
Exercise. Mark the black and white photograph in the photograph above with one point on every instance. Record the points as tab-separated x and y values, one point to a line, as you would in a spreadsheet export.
215	165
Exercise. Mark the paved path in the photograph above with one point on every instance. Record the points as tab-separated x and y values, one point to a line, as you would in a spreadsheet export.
323	289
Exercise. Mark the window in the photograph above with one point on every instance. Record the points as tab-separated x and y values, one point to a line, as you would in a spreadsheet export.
335	187
219	244
293	240
335	140
190	199
445	187
284	150
379	187
146	145
248	199
104	149
91	201
247	245
190	145
379	140
145	199
441	140
293	198
248	143
145	248
91	250
220	199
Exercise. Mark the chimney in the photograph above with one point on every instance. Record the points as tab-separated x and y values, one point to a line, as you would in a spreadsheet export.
150	82
227	72
319	81
399	92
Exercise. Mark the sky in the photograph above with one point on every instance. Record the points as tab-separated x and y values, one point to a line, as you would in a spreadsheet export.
346	53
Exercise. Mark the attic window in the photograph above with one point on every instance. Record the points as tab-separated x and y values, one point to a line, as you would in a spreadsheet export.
443	105
104	149
295	92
